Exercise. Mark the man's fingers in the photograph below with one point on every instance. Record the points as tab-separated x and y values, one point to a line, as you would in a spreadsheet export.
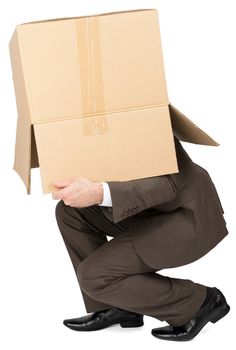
56	195
64	194
62	183
66	191
61	194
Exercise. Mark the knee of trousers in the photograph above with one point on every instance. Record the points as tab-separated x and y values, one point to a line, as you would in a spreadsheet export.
64	214
91	279
60	210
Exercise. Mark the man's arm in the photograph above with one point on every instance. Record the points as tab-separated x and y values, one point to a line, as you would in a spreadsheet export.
131	197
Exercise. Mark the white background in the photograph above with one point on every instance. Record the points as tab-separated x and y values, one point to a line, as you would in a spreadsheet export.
38	285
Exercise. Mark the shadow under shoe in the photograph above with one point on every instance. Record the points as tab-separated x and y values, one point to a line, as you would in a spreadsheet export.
211	311
105	318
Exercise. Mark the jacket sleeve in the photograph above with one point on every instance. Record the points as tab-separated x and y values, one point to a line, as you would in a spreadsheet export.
134	196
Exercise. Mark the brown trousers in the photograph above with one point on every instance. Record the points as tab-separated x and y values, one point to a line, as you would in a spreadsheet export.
111	273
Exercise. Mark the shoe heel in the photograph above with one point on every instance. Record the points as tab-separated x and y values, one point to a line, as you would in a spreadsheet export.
131	323
221	314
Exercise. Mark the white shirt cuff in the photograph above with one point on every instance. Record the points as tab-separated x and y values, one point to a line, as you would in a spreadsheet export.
107	202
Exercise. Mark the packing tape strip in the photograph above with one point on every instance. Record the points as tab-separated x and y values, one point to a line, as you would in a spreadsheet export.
92	89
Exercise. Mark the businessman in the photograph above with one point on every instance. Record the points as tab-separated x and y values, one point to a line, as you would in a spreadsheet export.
155	223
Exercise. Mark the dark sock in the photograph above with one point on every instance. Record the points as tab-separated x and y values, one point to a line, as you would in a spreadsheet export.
208	296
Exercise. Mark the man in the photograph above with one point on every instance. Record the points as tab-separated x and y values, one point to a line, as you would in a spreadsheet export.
156	223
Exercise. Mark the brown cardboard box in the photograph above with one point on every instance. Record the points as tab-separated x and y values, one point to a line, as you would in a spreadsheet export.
92	99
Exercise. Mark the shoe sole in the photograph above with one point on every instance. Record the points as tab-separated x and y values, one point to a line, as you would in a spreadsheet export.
123	324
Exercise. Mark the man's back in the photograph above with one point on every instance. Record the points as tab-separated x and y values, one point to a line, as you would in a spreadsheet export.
163	209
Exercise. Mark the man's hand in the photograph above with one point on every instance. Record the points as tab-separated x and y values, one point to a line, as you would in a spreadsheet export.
78	191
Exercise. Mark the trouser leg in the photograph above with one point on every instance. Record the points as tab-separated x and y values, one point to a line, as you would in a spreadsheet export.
83	231
116	275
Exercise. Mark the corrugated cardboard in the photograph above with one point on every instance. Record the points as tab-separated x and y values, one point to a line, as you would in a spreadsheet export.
92	99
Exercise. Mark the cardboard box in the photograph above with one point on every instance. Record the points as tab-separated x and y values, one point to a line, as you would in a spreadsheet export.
92	99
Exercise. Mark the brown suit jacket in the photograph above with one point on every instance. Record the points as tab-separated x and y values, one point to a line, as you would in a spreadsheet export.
173	219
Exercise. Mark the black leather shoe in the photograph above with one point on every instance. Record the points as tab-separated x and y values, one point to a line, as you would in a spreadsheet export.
212	311
105	318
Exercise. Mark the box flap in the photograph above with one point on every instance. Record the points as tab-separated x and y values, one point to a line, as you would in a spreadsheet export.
185	130
99	14
92	65
136	144
23	151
